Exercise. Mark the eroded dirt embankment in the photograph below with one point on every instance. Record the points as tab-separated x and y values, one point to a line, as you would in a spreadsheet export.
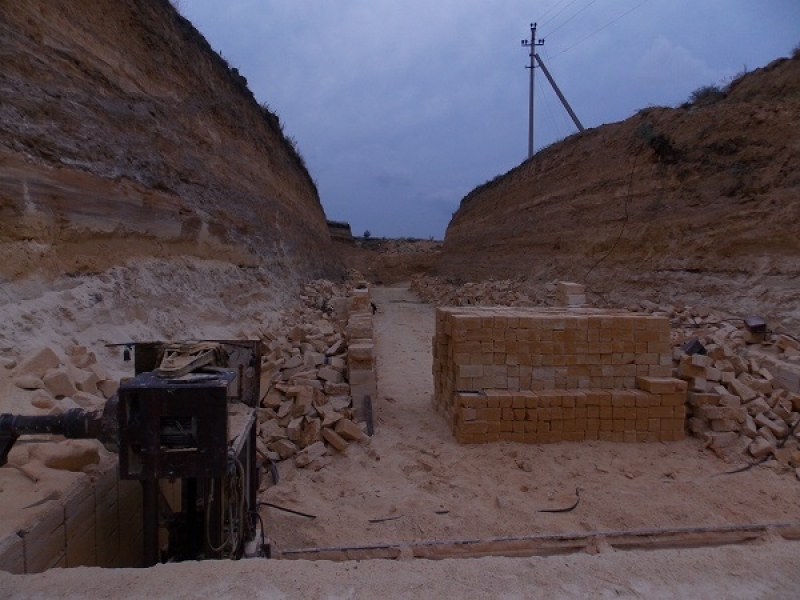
699	203
124	134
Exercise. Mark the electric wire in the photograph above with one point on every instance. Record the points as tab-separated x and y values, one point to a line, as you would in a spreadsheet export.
233	500
559	12
572	17
552	8
607	25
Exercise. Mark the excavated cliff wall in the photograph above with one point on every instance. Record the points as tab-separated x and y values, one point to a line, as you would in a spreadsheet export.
700	202
123	134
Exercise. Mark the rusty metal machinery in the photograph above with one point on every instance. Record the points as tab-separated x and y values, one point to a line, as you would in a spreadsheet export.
185	427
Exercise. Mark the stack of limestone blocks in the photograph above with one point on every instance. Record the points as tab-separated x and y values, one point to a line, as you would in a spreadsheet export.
360	350
96	522
548	375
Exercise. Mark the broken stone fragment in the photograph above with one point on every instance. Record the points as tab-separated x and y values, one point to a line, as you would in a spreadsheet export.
285	408
329	374
725	425
293	363
108	387
335	440
294	429
779	428
86	381
88	401
59	382
28	382
696	425
265	414
757	406
39	362
698	399
308	380
767	434
337	363
42	399
343	389
303	401
712	413
273	399
348	430
271	431
284	447
339	403
310	433
761	386
81	357
749	427
759	448
100	372
312	360
330	418
335	348
742	390
310	453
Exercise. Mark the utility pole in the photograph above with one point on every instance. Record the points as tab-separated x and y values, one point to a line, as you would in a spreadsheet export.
561	97
532	43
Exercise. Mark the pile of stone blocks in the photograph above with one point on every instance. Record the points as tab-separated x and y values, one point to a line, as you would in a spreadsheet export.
737	404
536	375
56	384
314	377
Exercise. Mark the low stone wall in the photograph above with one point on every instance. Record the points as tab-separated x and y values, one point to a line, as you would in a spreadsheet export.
546	375
96	522
361	350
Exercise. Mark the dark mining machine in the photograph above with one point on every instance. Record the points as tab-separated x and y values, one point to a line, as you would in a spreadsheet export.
185	427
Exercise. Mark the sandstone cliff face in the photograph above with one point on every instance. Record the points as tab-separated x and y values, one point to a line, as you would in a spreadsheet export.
123	134
700	202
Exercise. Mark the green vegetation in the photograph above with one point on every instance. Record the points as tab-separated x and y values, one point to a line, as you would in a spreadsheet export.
659	143
706	95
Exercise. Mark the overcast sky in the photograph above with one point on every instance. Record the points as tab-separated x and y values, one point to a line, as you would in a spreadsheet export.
401	107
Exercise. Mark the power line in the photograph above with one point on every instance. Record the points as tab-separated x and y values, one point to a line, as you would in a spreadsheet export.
549	10
572	17
609	24
559	12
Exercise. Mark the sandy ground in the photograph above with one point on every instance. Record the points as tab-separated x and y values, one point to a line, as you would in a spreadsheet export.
434	489
431	489
728	572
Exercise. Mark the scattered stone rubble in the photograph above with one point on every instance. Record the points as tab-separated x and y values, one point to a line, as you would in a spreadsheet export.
315	373
744	391
444	292
58	383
